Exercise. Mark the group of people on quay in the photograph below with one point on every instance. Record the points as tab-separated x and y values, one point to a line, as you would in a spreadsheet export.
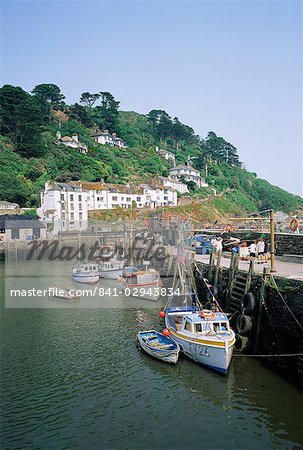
258	249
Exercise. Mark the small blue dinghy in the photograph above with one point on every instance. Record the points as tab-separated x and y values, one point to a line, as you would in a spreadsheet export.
159	346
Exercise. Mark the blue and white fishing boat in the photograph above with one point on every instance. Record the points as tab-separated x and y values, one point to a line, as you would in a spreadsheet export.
159	346
203	335
86	273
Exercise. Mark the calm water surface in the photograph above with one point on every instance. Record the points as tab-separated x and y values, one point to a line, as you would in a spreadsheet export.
74	378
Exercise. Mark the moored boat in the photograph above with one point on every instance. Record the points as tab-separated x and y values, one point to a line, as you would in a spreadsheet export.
63	292
111	269
159	346
203	335
86	273
143	284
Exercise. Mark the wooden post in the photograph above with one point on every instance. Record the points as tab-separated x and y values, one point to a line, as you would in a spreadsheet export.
249	275
272	241
234	264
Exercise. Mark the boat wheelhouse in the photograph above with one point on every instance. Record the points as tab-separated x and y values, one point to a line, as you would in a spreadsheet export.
143	284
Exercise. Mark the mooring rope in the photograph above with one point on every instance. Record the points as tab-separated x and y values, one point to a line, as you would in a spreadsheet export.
267	356
282	298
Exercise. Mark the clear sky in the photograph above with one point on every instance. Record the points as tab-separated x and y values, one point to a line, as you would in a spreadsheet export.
233	67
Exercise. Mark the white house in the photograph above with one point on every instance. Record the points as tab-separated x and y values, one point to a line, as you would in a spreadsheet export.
159	196
174	184
105	138
71	141
189	174
64	207
8	205
169	156
109	196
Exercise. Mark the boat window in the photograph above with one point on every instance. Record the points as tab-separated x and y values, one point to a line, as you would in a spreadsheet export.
187	326
198	328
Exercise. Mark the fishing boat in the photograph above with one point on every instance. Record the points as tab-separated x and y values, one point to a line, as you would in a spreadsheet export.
111	269
159	346
203	335
63	292
143	284
86	273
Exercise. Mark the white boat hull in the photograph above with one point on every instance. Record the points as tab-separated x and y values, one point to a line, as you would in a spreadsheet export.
111	274
216	358
83	278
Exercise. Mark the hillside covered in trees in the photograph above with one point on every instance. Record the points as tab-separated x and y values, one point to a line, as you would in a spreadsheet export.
29	157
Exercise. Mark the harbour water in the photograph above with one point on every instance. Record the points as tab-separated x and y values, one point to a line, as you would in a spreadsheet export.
75	378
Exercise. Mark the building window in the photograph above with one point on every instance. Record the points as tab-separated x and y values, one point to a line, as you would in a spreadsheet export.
115	199
72	216
63	216
80	206
72	206
71	197
80	216
128	199
62	197
80	198
99	199
138	199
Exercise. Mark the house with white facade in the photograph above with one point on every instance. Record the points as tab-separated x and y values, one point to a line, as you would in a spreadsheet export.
169	156
64	207
109	196
174	184
188	173
71	141
159	196
105	138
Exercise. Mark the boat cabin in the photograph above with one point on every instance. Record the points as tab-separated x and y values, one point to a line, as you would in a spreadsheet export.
195	324
144	277
88	268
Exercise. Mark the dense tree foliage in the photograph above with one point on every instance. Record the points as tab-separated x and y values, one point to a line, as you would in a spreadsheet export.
21	120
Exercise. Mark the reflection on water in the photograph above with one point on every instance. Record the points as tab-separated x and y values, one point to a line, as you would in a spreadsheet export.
75	378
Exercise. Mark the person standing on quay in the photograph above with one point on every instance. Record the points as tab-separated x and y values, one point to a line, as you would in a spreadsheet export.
252	249
260	247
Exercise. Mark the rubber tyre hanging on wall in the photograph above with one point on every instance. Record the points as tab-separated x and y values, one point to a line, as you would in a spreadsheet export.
248	303
244	324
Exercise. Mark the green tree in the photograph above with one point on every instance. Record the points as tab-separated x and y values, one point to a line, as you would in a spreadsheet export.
89	99
21	120
49	97
12	189
80	113
106	114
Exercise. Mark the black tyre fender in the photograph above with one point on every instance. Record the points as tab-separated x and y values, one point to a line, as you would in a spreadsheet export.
214	292
248	303
241	343
244	324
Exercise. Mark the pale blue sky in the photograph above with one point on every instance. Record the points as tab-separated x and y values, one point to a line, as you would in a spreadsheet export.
230	67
